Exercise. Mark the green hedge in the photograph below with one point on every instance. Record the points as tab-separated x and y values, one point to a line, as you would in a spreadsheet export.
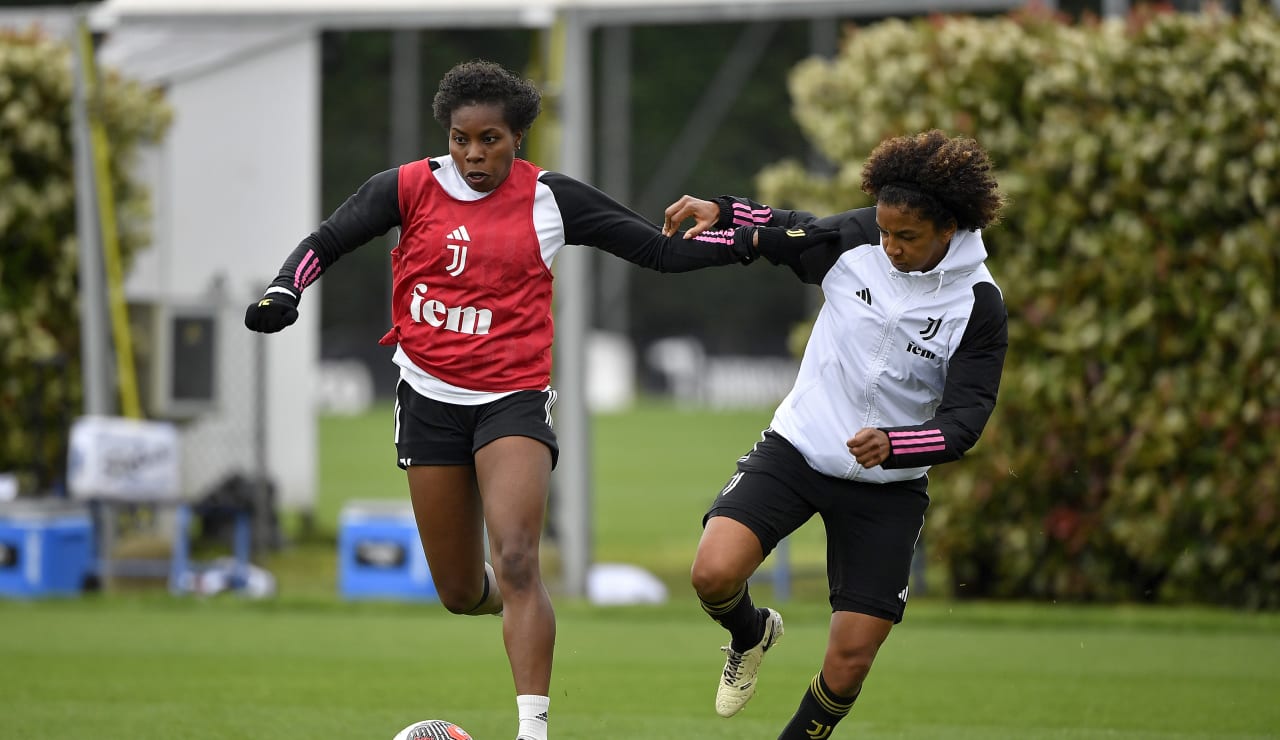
1135	450
39	296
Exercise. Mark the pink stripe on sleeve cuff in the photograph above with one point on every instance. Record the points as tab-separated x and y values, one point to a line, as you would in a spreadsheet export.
926	440
920	433
723	236
308	270
744	215
914	450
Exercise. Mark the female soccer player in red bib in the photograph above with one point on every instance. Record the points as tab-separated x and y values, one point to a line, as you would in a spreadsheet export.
472	327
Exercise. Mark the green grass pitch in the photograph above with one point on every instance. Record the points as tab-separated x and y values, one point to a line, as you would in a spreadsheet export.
141	665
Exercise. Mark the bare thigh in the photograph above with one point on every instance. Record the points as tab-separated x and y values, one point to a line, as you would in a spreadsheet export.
447	508
514	476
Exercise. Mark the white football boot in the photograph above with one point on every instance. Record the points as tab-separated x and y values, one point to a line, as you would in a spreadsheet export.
738	681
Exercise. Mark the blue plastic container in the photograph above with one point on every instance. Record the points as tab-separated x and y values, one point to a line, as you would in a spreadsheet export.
379	553
46	549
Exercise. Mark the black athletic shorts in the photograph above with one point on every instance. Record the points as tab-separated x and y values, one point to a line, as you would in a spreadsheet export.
872	528
430	432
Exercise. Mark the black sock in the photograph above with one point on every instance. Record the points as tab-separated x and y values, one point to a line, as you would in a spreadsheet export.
818	713
740	616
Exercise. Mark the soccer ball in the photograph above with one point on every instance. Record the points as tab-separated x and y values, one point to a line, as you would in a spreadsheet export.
432	729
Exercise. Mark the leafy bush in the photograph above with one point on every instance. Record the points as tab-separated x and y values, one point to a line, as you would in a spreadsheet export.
39	294
1133	454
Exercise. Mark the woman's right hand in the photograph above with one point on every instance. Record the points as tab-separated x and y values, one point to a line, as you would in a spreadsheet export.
277	309
704	213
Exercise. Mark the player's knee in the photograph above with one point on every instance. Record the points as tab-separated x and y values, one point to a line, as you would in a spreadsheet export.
711	581
519	569
458	599
845	669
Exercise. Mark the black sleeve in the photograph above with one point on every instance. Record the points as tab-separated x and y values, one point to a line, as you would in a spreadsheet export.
969	396
592	218
371	211
857	228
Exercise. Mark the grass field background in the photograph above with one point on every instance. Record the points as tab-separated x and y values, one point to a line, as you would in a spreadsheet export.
141	665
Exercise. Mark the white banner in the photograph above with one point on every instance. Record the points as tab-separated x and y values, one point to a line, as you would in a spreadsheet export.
111	457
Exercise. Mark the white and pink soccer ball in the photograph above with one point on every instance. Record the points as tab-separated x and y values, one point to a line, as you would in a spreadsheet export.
432	729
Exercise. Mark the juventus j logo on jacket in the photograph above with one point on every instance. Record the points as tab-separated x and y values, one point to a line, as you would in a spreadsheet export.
459	262
931	329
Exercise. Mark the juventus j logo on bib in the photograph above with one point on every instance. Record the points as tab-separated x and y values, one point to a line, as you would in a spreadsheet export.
459	261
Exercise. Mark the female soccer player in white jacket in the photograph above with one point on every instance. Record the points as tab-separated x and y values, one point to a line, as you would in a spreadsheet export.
900	374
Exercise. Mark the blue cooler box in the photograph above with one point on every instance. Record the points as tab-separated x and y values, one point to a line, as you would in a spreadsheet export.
46	548
380	555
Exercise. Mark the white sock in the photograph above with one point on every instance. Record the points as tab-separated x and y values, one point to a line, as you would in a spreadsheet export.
533	716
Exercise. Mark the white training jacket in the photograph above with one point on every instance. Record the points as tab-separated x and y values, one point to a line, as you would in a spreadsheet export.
918	355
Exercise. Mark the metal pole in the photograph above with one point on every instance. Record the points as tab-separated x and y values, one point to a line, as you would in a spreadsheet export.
406	97
406	125
265	534
615	167
93	305
573	301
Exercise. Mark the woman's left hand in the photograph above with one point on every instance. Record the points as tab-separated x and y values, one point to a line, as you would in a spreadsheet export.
704	213
869	446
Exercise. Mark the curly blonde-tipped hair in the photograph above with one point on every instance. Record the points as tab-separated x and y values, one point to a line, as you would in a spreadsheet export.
943	179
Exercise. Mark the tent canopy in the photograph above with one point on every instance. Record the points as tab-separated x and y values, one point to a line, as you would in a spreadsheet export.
514	13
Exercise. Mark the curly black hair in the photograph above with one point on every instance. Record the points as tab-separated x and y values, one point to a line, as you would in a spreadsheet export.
943	179
482	82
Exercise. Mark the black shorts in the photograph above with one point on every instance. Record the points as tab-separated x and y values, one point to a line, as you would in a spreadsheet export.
872	528
430	432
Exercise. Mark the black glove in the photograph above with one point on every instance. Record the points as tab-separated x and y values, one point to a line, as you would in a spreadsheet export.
782	245
277	309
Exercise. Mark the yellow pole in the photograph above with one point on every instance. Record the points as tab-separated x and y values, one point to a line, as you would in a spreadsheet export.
546	68
125	373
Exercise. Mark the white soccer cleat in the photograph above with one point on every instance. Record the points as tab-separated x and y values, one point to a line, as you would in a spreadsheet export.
738	681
